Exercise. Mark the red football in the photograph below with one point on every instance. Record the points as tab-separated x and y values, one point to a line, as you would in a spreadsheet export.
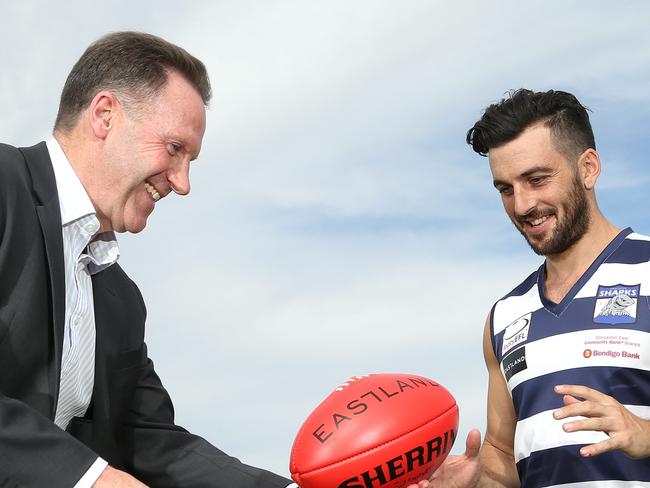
387	430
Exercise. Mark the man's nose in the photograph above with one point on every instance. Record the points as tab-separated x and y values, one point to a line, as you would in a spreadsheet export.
525	201
179	178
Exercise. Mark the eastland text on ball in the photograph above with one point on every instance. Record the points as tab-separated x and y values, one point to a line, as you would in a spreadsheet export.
374	396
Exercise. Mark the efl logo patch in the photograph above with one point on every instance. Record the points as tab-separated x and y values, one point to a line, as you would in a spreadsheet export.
516	333
616	304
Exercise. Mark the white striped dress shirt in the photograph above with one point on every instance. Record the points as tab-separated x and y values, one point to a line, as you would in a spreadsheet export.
84	254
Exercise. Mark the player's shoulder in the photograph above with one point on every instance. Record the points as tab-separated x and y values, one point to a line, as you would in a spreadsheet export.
636	237
524	287
522	299
634	248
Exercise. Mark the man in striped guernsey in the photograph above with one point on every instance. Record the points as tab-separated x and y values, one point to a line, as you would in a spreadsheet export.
568	350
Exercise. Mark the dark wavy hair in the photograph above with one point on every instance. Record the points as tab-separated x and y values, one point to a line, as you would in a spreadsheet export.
135	65
560	111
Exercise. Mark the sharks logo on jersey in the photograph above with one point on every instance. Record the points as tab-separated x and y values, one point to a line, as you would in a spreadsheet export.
616	304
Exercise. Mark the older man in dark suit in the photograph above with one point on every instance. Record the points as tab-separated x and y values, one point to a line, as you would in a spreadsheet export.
80	402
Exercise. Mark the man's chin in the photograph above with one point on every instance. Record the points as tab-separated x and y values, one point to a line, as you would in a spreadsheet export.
135	220
136	229
539	246
135	226
539	250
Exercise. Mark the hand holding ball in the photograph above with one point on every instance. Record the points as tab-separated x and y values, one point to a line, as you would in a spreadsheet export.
378	430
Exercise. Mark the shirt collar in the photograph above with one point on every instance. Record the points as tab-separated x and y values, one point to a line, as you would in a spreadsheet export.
73	199
77	210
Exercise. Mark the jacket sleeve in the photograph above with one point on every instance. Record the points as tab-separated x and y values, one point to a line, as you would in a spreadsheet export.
34	452
165	455
130	399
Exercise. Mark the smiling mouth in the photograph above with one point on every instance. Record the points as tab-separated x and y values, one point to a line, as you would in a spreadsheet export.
534	223
538	221
152	191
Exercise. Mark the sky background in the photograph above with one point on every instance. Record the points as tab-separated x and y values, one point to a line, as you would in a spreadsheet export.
338	224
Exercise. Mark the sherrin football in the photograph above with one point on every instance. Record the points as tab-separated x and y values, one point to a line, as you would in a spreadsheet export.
377	430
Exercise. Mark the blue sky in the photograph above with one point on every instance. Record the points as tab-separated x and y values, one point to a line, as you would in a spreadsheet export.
338	224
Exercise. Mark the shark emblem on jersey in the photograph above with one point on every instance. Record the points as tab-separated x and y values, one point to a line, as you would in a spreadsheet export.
616	304
516	333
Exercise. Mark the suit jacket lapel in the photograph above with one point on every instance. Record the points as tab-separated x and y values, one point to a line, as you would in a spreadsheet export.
49	214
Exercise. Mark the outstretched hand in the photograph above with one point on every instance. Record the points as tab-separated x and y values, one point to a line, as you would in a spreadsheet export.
626	432
458	471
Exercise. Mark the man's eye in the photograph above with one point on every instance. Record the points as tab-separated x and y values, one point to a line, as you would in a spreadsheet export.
505	190
537	180
173	148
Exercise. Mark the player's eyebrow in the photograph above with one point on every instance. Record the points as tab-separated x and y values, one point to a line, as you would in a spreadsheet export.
537	169
525	174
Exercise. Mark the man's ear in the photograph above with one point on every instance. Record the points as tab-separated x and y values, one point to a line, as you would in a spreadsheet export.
102	113
589	168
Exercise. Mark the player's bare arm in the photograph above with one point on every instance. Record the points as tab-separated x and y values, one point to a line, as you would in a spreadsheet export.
625	431
497	453
493	465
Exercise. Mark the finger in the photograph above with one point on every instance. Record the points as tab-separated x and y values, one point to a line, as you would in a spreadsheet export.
581	408
569	400
581	392
598	424
473	443
598	448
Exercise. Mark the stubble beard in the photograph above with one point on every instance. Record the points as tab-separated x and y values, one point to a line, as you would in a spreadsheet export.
569	230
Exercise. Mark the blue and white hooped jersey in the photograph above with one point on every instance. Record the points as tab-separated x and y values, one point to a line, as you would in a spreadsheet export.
597	336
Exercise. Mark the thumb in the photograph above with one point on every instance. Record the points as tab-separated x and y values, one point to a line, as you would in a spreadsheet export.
473	443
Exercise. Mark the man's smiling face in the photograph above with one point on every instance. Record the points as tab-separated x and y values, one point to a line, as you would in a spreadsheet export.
541	191
148	155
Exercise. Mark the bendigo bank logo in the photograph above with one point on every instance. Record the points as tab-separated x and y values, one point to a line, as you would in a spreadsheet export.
616	304
610	353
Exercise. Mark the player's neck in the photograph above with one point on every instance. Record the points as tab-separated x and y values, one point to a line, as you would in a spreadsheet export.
565	269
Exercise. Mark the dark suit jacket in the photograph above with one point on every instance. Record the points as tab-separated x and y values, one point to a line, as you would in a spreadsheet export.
131	420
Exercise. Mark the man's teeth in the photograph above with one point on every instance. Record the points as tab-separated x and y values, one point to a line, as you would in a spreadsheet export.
538	221
154	193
